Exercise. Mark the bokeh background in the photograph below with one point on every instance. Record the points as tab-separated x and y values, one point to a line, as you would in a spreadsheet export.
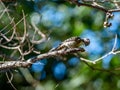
61	20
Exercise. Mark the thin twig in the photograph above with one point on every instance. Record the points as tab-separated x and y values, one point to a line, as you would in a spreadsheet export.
43	36
10	79
113	51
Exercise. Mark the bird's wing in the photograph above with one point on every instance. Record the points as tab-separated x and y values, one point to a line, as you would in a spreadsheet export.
56	48
69	39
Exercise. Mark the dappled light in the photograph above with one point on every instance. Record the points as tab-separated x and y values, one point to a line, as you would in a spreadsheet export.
60	44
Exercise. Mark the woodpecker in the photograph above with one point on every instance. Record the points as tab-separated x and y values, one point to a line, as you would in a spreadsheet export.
73	42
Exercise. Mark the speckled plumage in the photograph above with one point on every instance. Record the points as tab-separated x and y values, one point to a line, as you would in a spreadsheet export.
72	42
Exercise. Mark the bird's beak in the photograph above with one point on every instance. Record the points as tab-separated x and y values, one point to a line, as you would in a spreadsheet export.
86	41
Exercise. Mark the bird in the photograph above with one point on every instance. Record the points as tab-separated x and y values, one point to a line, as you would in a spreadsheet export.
73	42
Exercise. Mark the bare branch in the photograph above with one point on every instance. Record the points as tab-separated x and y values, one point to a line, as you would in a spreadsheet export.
88	5
18	63
25	28
115	43
100	6
94	4
113	51
10	79
40	33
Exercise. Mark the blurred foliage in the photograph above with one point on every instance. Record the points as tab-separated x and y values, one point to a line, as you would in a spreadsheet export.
61	20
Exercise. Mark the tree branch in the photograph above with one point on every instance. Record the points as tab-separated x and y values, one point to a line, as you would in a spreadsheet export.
113	51
98	5
5	65
94	4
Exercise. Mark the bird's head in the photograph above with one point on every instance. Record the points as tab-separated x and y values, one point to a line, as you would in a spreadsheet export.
86	41
82	41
